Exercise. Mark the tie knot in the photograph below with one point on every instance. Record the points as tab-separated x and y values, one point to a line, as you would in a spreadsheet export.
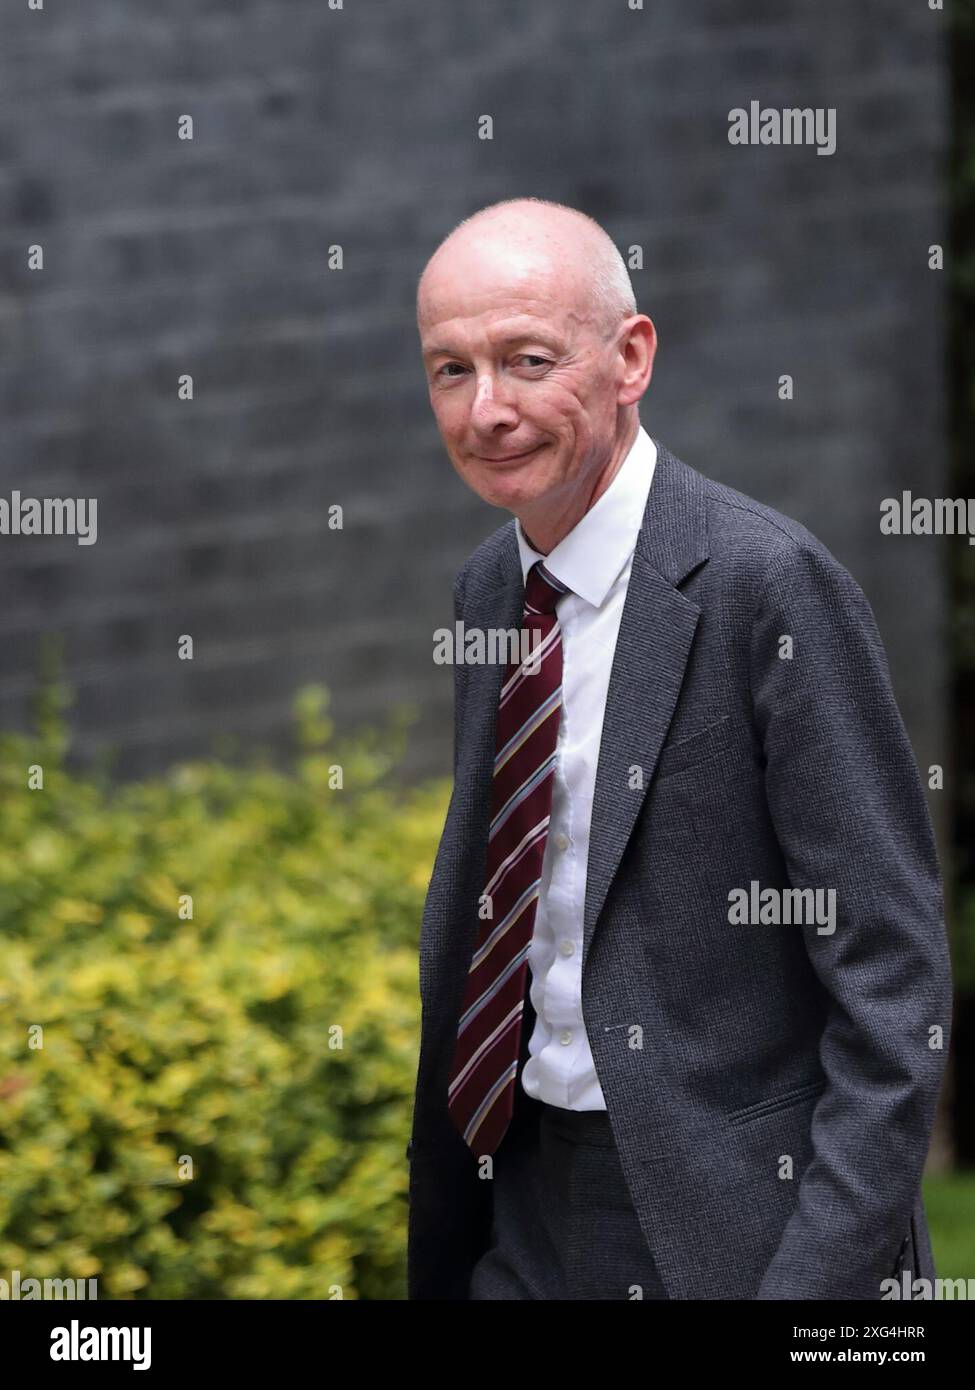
542	590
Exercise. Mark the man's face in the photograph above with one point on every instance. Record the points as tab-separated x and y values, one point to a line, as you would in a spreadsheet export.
522	384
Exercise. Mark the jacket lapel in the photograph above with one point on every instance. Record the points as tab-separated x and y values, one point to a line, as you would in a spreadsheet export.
656	634
495	602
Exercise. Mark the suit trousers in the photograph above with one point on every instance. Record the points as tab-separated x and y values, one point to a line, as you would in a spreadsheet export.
563	1226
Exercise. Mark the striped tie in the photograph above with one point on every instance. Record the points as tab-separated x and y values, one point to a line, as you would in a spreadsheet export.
481	1092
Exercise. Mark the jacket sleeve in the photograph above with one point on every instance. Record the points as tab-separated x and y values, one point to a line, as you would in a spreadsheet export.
849	812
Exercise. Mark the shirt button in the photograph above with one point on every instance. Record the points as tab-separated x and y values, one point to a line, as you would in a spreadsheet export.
561	841
565	1037
566	946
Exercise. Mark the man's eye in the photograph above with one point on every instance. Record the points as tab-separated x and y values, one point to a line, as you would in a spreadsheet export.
534	360
446	365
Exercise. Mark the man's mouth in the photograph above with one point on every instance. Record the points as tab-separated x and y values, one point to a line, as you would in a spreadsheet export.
508	458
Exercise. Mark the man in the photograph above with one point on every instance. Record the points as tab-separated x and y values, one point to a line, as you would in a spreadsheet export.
683	966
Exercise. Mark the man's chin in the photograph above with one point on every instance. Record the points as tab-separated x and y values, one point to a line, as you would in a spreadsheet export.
511	495
507	485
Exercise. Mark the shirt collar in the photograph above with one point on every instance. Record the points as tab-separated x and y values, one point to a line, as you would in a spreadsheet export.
590	558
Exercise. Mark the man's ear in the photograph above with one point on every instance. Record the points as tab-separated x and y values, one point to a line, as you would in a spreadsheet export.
638	347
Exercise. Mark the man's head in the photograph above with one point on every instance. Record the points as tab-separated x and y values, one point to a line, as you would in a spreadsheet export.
533	347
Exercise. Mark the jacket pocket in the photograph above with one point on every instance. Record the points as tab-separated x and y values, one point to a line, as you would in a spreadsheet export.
696	748
771	1104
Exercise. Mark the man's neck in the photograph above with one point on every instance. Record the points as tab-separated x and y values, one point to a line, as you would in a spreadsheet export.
547	531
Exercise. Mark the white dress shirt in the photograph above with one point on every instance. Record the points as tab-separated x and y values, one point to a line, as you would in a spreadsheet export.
594	560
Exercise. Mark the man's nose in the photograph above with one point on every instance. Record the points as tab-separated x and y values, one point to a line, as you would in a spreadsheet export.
491	405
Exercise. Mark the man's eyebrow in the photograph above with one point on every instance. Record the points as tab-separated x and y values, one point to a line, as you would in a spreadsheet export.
506	341
537	337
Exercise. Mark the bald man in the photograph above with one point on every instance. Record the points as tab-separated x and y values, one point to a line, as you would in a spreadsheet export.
683	963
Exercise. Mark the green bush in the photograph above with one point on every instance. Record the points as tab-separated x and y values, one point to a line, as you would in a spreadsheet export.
212	1038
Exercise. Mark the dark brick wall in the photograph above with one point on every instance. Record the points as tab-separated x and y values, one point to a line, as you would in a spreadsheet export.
358	127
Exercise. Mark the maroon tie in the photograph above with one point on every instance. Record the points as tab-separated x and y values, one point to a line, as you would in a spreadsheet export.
481	1092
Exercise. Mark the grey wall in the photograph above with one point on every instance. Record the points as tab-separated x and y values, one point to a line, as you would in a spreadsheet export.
358	127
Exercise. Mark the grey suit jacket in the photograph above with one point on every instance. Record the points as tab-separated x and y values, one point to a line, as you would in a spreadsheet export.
722	1050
